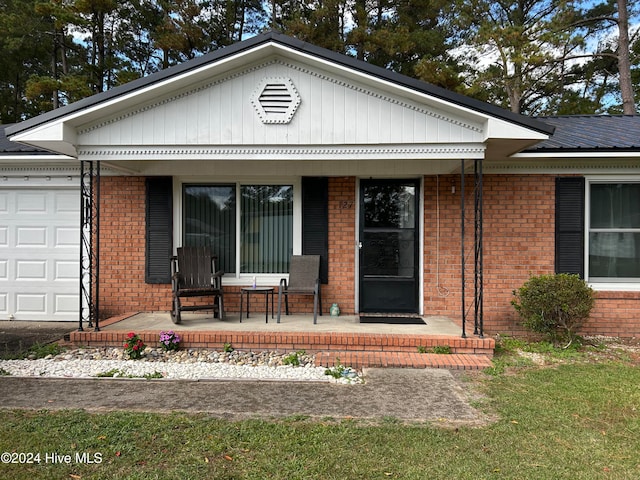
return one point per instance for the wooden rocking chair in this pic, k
(194, 274)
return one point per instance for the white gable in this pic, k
(275, 101)
(332, 111)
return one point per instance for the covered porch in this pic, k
(273, 142)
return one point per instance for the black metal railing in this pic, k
(478, 266)
(89, 244)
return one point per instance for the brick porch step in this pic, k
(355, 350)
(360, 359)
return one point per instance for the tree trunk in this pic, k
(624, 66)
(54, 69)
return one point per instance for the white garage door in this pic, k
(39, 253)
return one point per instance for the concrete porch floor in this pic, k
(333, 340)
(191, 321)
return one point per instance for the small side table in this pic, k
(262, 291)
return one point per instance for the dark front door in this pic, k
(389, 246)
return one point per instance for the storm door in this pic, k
(389, 246)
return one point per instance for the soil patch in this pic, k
(17, 337)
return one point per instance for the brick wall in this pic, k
(518, 242)
(616, 314)
(122, 245)
(122, 256)
(342, 245)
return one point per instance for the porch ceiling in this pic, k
(354, 167)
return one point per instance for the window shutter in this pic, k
(159, 229)
(315, 221)
(570, 204)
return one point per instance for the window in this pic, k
(613, 222)
(249, 227)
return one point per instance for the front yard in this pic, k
(554, 416)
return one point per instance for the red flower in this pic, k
(126, 345)
(135, 347)
(131, 335)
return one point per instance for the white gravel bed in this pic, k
(188, 365)
(135, 368)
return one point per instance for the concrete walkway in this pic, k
(413, 395)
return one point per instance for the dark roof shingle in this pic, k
(576, 133)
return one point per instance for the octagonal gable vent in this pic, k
(276, 100)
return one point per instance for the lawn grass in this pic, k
(574, 420)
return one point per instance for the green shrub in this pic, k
(42, 350)
(554, 305)
(293, 359)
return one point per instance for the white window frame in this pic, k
(621, 285)
(238, 278)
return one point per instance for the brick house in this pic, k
(418, 199)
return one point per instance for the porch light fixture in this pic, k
(276, 100)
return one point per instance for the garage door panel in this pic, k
(65, 304)
(66, 270)
(31, 203)
(31, 270)
(67, 237)
(30, 303)
(39, 253)
(67, 203)
(31, 237)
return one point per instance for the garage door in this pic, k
(39, 253)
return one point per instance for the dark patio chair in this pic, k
(194, 274)
(304, 279)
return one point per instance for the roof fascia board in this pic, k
(13, 159)
(500, 128)
(55, 136)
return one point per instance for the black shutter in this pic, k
(315, 221)
(159, 229)
(570, 204)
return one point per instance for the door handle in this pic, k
(360, 245)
